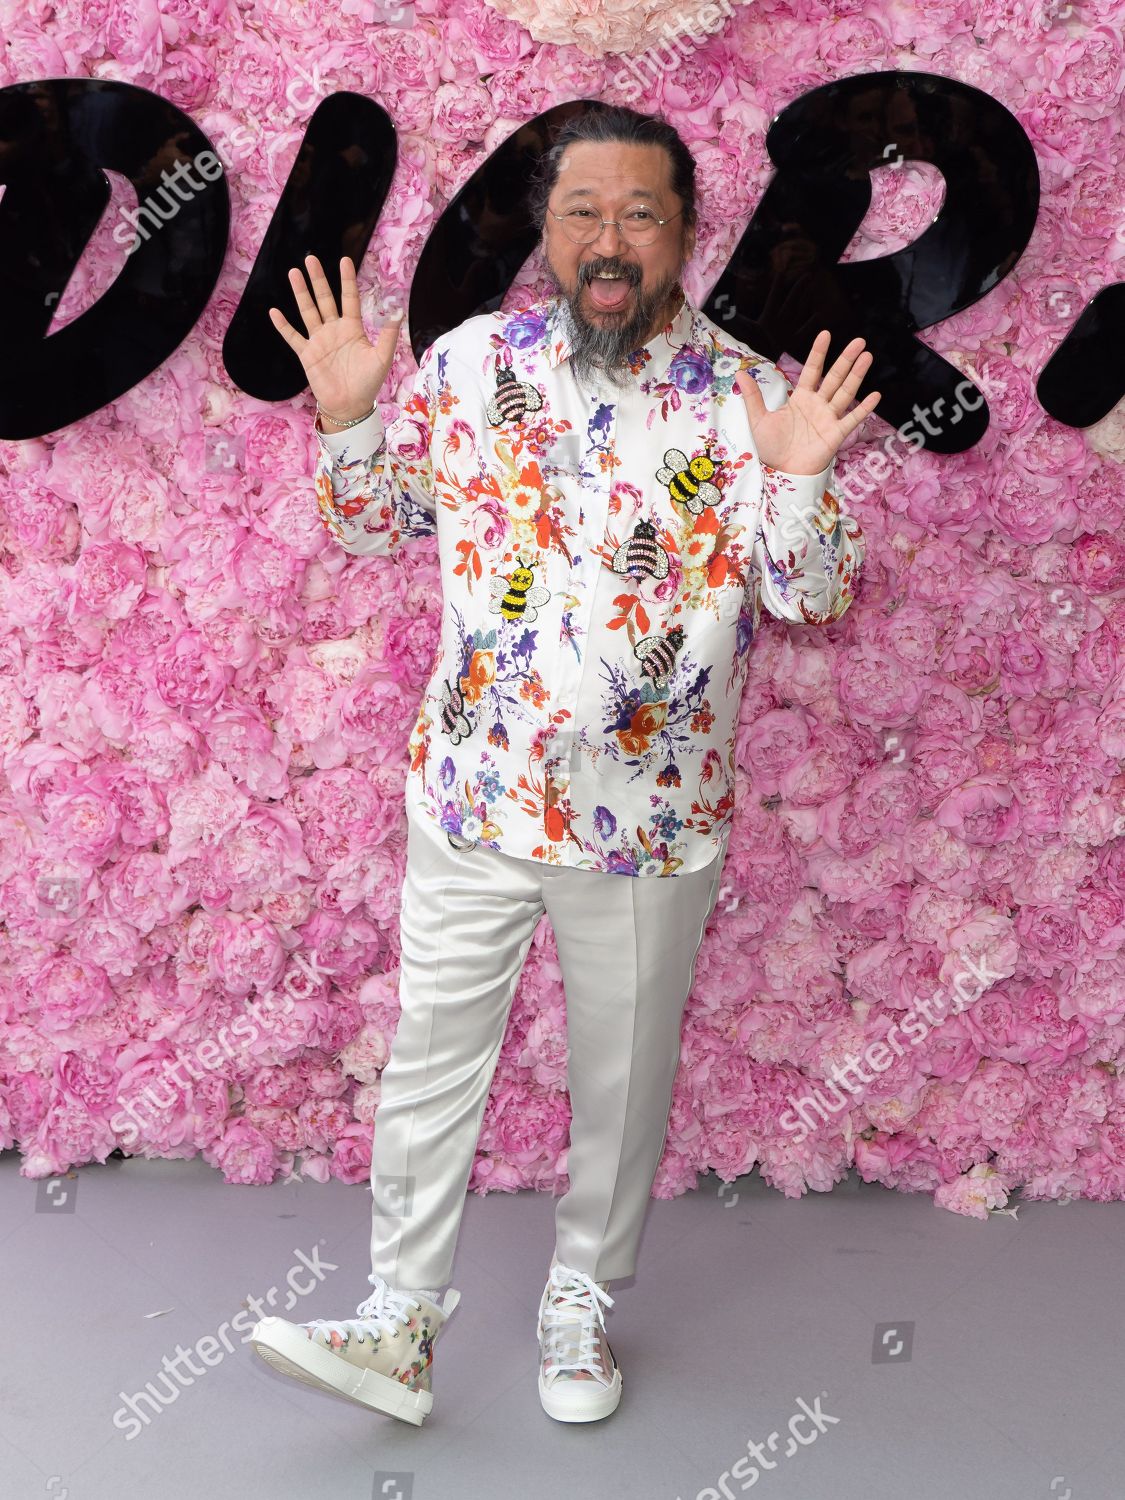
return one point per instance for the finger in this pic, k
(853, 419)
(748, 388)
(842, 398)
(811, 369)
(388, 338)
(349, 290)
(305, 304)
(391, 316)
(325, 301)
(842, 368)
(394, 309)
(295, 340)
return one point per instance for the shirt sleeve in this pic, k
(808, 550)
(375, 484)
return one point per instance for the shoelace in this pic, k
(382, 1310)
(573, 1299)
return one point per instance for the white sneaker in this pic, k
(381, 1358)
(579, 1380)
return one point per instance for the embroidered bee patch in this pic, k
(689, 479)
(518, 596)
(454, 722)
(512, 399)
(641, 555)
(657, 654)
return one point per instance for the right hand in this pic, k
(345, 370)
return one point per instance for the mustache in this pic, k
(610, 264)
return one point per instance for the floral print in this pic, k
(606, 551)
(414, 1372)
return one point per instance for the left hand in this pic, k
(803, 434)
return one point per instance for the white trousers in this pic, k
(627, 947)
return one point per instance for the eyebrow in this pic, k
(587, 192)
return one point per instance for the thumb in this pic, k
(386, 341)
(748, 388)
(389, 330)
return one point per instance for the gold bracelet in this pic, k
(355, 421)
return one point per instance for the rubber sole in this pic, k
(289, 1351)
(595, 1402)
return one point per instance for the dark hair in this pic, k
(614, 122)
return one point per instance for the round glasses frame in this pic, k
(582, 232)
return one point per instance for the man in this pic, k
(616, 486)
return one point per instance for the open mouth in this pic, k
(609, 293)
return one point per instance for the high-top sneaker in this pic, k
(578, 1376)
(381, 1358)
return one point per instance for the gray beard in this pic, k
(605, 350)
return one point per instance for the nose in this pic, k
(618, 241)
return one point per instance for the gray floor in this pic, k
(958, 1358)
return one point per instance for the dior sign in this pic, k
(784, 282)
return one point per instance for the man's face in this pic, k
(611, 318)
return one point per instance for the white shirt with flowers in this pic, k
(605, 553)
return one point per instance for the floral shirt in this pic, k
(605, 553)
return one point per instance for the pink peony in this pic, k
(244, 1154)
(351, 1154)
(68, 989)
(108, 580)
(975, 1194)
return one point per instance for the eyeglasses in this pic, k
(640, 226)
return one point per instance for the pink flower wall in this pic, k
(204, 703)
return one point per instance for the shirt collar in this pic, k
(656, 355)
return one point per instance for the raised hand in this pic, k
(803, 434)
(345, 369)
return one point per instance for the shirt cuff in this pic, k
(359, 441)
(820, 479)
